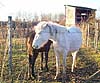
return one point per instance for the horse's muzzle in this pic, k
(35, 46)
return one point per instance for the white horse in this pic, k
(65, 39)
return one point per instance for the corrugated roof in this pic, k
(80, 7)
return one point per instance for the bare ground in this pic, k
(86, 67)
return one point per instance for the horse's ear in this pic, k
(35, 27)
(44, 25)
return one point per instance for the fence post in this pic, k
(88, 30)
(96, 36)
(10, 44)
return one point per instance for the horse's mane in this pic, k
(41, 25)
(29, 34)
(59, 28)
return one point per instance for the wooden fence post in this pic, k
(96, 36)
(88, 36)
(10, 44)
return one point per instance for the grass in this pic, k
(88, 62)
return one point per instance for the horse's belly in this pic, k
(75, 41)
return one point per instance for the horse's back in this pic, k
(73, 29)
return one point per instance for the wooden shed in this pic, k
(77, 14)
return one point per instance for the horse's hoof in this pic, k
(46, 69)
(41, 68)
(72, 71)
(31, 78)
(55, 78)
(34, 76)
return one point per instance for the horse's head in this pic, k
(42, 35)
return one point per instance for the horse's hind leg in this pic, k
(74, 60)
(30, 67)
(41, 60)
(46, 61)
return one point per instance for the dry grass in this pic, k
(87, 64)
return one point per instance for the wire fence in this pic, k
(90, 36)
(18, 49)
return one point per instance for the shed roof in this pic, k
(80, 7)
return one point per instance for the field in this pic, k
(88, 62)
(87, 70)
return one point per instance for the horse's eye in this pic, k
(39, 33)
(36, 36)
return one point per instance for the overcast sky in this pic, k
(12, 7)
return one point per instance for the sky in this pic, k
(14, 7)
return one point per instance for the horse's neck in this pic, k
(59, 37)
(58, 31)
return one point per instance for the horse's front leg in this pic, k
(64, 62)
(57, 64)
(64, 65)
(46, 61)
(41, 60)
(30, 67)
(33, 63)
